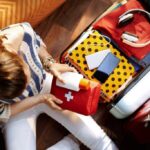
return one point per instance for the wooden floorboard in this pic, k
(64, 26)
(58, 31)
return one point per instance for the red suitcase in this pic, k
(139, 26)
(139, 125)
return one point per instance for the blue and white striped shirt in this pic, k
(29, 50)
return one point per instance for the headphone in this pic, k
(129, 38)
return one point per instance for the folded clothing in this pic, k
(139, 26)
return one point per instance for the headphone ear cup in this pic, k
(125, 19)
(132, 44)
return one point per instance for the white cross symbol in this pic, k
(69, 96)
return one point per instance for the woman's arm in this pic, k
(50, 64)
(29, 102)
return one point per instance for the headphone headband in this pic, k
(128, 37)
(135, 11)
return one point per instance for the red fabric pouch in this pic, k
(139, 125)
(140, 26)
(83, 102)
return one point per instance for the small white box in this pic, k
(71, 79)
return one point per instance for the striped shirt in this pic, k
(29, 48)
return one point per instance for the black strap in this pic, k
(146, 4)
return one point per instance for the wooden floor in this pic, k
(58, 31)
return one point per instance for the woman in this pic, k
(24, 94)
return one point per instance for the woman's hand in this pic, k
(57, 69)
(50, 100)
(29, 102)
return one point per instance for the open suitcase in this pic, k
(125, 85)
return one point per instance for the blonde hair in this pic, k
(12, 76)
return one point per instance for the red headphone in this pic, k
(129, 38)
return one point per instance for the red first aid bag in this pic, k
(139, 26)
(83, 102)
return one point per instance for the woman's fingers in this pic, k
(55, 106)
(66, 67)
(58, 75)
(57, 100)
(57, 69)
(54, 102)
(55, 72)
(71, 69)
